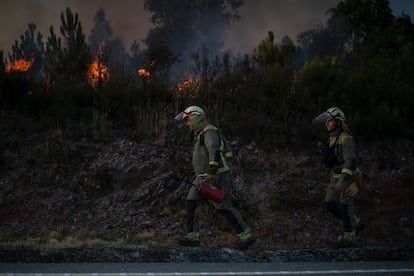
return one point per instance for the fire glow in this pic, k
(143, 72)
(189, 87)
(97, 73)
(20, 65)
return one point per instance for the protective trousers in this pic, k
(340, 206)
(232, 216)
(342, 212)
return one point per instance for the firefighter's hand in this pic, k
(212, 180)
(352, 190)
(339, 186)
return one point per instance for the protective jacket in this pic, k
(208, 151)
(343, 147)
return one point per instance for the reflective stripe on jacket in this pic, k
(346, 154)
(208, 149)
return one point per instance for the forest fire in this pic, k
(143, 72)
(20, 65)
(189, 87)
(97, 73)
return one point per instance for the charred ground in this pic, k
(75, 193)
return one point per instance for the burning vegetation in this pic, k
(143, 72)
(20, 65)
(97, 73)
(189, 87)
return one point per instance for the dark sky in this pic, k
(130, 22)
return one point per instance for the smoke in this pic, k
(282, 17)
(130, 22)
(128, 19)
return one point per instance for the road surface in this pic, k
(216, 269)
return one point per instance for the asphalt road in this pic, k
(216, 269)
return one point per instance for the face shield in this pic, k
(183, 118)
(179, 116)
(323, 117)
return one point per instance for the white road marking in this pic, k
(302, 272)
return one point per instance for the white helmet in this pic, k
(331, 113)
(191, 110)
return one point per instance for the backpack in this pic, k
(225, 147)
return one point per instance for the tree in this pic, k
(321, 84)
(159, 58)
(269, 53)
(352, 23)
(355, 21)
(101, 33)
(102, 44)
(317, 42)
(30, 45)
(70, 57)
(187, 25)
(287, 50)
(30, 48)
(137, 55)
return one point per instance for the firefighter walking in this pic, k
(345, 176)
(210, 165)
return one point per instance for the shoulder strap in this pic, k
(200, 135)
(336, 139)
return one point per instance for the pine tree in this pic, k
(68, 56)
(101, 33)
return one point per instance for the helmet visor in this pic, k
(182, 116)
(323, 117)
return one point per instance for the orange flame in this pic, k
(185, 84)
(143, 72)
(189, 87)
(97, 73)
(20, 65)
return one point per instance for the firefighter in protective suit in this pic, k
(345, 180)
(209, 164)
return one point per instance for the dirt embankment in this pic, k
(72, 190)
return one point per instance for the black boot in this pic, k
(191, 239)
(246, 240)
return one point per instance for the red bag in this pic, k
(210, 192)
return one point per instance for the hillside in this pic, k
(75, 188)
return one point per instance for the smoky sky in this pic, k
(130, 22)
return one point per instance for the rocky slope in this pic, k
(79, 189)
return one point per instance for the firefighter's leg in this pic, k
(333, 208)
(331, 200)
(192, 238)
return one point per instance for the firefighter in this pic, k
(209, 164)
(345, 178)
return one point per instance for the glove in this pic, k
(212, 180)
(359, 180)
(211, 175)
(352, 190)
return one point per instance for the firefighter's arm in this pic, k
(212, 144)
(349, 157)
(349, 167)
